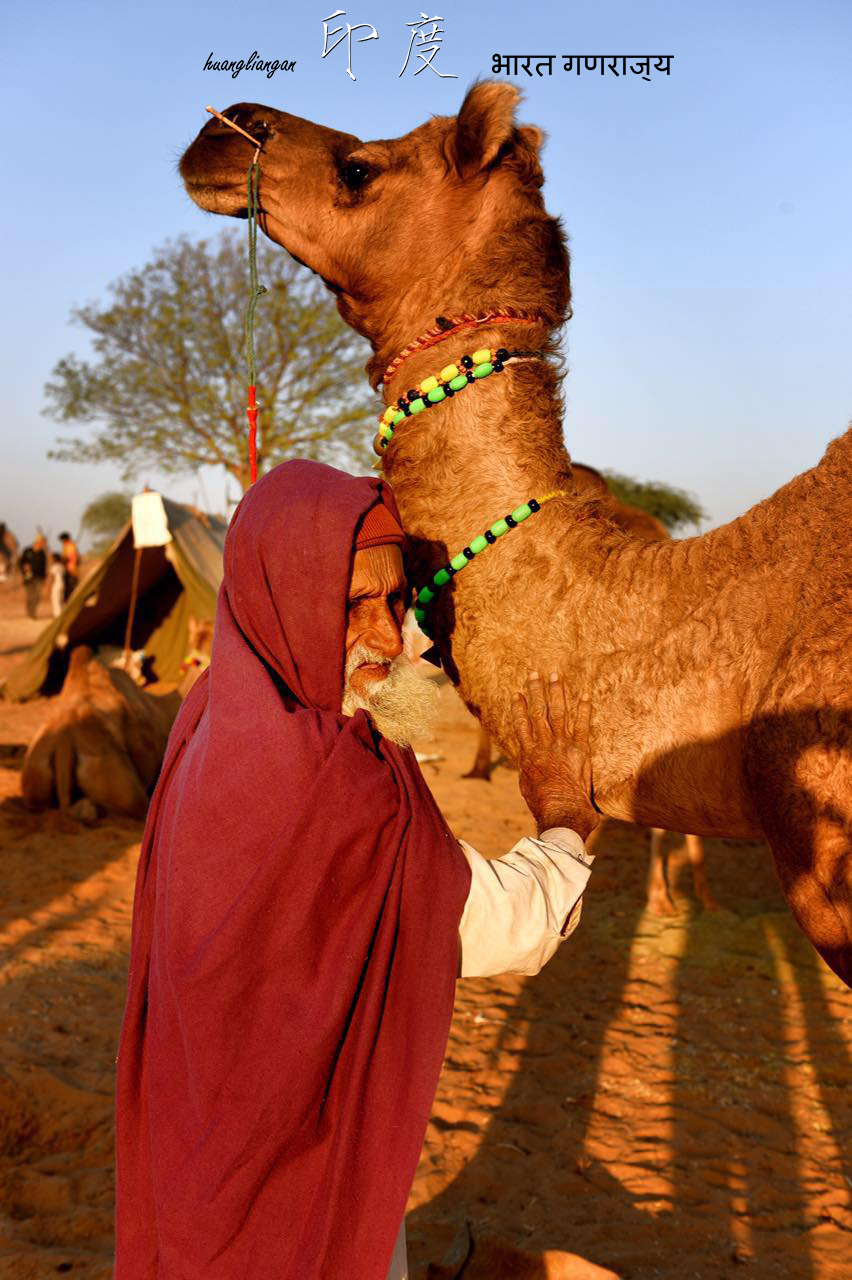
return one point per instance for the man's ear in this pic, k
(486, 121)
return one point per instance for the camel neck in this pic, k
(494, 445)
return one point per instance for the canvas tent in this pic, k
(177, 581)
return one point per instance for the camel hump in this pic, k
(588, 479)
(80, 657)
(63, 765)
(37, 774)
(77, 676)
(638, 522)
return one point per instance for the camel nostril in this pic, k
(259, 130)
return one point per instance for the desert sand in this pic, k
(670, 1098)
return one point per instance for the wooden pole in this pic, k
(131, 612)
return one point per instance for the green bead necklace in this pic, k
(426, 594)
(452, 379)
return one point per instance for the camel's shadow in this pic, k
(707, 1047)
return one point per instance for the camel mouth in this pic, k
(227, 198)
(214, 176)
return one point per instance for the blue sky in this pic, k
(708, 211)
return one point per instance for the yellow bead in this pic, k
(388, 414)
(479, 357)
(386, 431)
(451, 371)
(429, 385)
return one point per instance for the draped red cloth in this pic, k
(295, 936)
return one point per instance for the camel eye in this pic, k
(353, 175)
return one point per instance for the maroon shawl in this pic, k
(295, 936)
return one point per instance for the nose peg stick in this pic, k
(254, 142)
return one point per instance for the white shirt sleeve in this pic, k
(521, 906)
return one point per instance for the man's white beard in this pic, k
(403, 705)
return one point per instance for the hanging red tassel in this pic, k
(251, 414)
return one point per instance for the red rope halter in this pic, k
(445, 328)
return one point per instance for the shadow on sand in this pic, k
(676, 1100)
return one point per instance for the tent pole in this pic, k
(134, 592)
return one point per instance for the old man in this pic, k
(302, 911)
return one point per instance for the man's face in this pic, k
(379, 678)
(375, 613)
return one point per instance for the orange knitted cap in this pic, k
(378, 528)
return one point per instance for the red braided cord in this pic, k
(251, 414)
(457, 324)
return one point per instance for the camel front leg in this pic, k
(482, 764)
(659, 901)
(703, 892)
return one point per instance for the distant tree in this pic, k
(104, 518)
(167, 387)
(672, 507)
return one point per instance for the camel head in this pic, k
(447, 219)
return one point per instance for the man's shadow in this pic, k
(710, 1163)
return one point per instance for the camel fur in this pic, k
(659, 900)
(717, 666)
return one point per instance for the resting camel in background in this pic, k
(717, 666)
(102, 746)
(641, 524)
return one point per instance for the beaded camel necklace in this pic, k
(453, 379)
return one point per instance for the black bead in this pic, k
(470, 377)
(513, 524)
(406, 410)
(402, 402)
(501, 354)
(489, 536)
(448, 391)
(498, 366)
(467, 552)
(466, 362)
(533, 505)
(427, 403)
(448, 568)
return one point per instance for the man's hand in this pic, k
(554, 763)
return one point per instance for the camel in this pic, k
(659, 901)
(632, 519)
(102, 747)
(640, 523)
(717, 666)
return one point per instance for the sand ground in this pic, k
(670, 1098)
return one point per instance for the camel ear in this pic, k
(486, 121)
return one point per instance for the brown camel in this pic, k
(717, 666)
(641, 524)
(103, 745)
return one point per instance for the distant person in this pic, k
(56, 584)
(5, 551)
(71, 562)
(33, 567)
